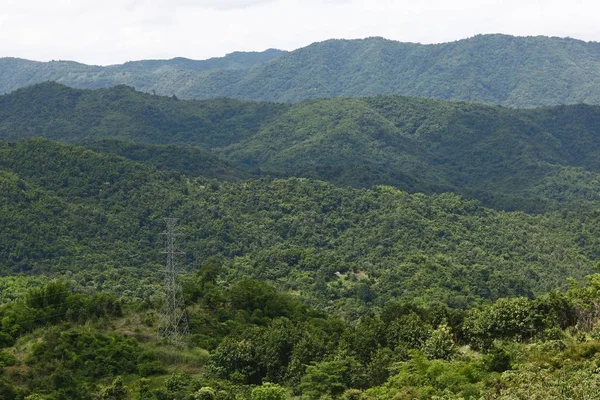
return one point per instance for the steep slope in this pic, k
(494, 69)
(66, 208)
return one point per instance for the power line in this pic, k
(174, 324)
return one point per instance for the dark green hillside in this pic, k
(61, 113)
(512, 159)
(16, 73)
(235, 60)
(493, 69)
(296, 287)
(67, 208)
(189, 160)
(343, 141)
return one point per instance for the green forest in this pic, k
(372, 248)
(294, 287)
(531, 160)
(506, 70)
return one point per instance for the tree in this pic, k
(205, 393)
(440, 344)
(116, 391)
(331, 378)
(268, 391)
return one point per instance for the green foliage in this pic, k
(80, 352)
(440, 345)
(408, 330)
(331, 378)
(343, 248)
(205, 393)
(52, 303)
(260, 301)
(7, 390)
(497, 359)
(116, 391)
(142, 73)
(143, 392)
(516, 319)
(420, 378)
(187, 160)
(269, 391)
(533, 160)
(256, 354)
(300, 287)
(572, 381)
(498, 69)
(7, 359)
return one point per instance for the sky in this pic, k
(107, 32)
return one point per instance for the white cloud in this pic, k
(227, 4)
(111, 31)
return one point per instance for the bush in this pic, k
(268, 391)
(497, 360)
(7, 359)
(352, 394)
(151, 368)
(440, 344)
(205, 393)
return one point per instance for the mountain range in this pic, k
(511, 159)
(492, 69)
(350, 224)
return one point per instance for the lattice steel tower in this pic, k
(174, 324)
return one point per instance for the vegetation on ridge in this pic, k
(531, 160)
(494, 69)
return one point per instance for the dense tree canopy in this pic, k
(493, 69)
(532, 160)
(66, 208)
(338, 248)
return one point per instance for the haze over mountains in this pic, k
(494, 69)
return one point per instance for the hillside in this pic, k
(286, 281)
(162, 76)
(493, 69)
(293, 287)
(66, 209)
(188, 160)
(512, 159)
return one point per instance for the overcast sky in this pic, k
(114, 31)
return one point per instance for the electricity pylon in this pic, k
(174, 324)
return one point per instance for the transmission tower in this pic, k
(174, 324)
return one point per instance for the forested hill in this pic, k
(162, 76)
(511, 159)
(494, 69)
(382, 294)
(65, 209)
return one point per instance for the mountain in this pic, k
(357, 293)
(163, 76)
(493, 69)
(511, 159)
(235, 60)
(62, 113)
(66, 209)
